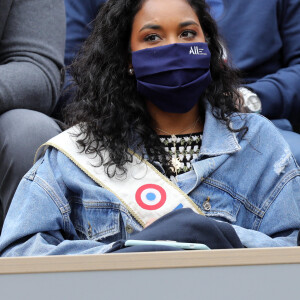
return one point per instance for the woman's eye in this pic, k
(188, 34)
(152, 38)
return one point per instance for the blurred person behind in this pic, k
(79, 17)
(32, 37)
(263, 41)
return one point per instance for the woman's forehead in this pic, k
(156, 11)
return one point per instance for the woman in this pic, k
(151, 79)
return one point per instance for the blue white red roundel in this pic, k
(150, 196)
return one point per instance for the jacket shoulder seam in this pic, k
(276, 191)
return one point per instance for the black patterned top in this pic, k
(183, 148)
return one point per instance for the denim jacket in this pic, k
(250, 180)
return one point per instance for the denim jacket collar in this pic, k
(217, 143)
(217, 138)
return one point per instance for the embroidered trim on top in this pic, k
(183, 149)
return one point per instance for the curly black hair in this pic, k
(108, 108)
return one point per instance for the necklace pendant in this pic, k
(176, 163)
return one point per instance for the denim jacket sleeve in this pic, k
(38, 220)
(283, 201)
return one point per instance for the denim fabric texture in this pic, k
(251, 180)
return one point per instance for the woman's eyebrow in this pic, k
(157, 27)
(188, 23)
(150, 26)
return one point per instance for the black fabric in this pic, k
(184, 225)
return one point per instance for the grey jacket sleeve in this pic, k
(31, 55)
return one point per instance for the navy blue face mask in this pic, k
(173, 77)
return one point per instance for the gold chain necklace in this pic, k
(176, 163)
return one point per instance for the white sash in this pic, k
(144, 191)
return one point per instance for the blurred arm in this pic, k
(31, 55)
